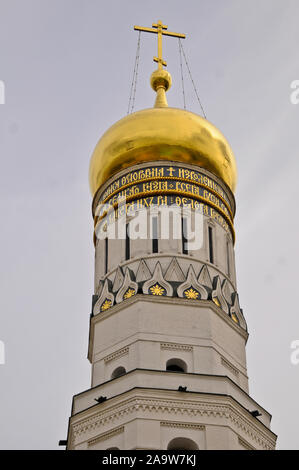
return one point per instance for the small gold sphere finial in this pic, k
(160, 83)
(161, 78)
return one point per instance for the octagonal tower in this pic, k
(167, 334)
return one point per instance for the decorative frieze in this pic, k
(236, 312)
(224, 409)
(118, 280)
(204, 277)
(217, 295)
(105, 436)
(116, 354)
(176, 424)
(174, 272)
(157, 285)
(106, 299)
(227, 291)
(191, 289)
(176, 347)
(128, 288)
(174, 283)
(143, 273)
(245, 444)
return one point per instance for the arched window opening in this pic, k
(182, 443)
(118, 372)
(176, 365)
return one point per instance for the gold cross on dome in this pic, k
(159, 28)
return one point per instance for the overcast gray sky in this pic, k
(67, 67)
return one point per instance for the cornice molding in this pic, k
(106, 435)
(245, 444)
(120, 408)
(115, 355)
(176, 347)
(177, 424)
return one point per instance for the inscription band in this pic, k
(186, 195)
(135, 184)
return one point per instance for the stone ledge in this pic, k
(162, 405)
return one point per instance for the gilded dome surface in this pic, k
(162, 133)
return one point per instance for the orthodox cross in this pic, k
(159, 28)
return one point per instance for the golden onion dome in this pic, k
(162, 133)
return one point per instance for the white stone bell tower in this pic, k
(167, 334)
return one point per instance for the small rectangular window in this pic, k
(106, 255)
(211, 250)
(127, 242)
(155, 234)
(184, 237)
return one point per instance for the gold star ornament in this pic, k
(105, 305)
(157, 290)
(129, 293)
(191, 294)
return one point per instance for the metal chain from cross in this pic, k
(160, 29)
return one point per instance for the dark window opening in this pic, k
(127, 242)
(106, 255)
(175, 368)
(211, 250)
(184, 238)
(155, 234)
(118, 372)
(176, 365)
(182, 443)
